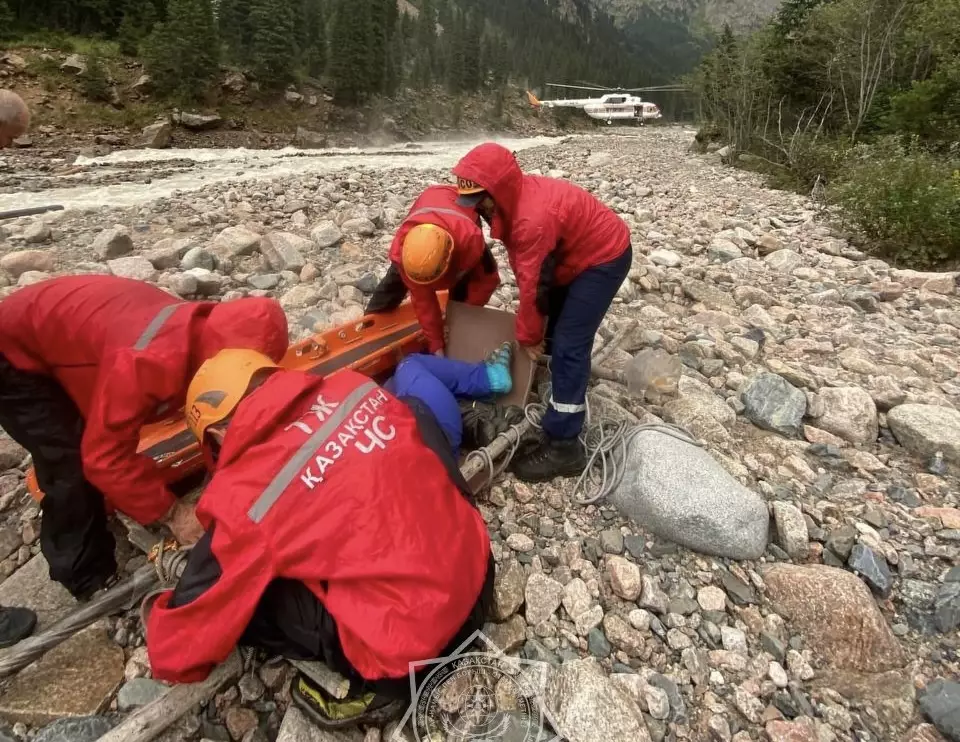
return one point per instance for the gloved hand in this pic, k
(183, 524)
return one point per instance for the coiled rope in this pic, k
(606, 444)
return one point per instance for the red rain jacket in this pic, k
(329, 481)
(437, 205)
(537, 217)
(125, 352)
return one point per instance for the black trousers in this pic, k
(291, 622)
(39, 415)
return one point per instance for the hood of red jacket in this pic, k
(255, 323)
(495, 168)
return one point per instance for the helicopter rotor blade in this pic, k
(574, 87)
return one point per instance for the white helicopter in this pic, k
(615, 105)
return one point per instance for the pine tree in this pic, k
(379, 36)
(236, 30)
(273, 49)
(312, 42)
(6, 21)
(181, 55)
(94, 81)
(425, 45)
(455, 56)
(349, 61)
(474, 71)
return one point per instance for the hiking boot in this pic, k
(16, 624)
(551, 458)
(498, 369)
(479, 424)
(325, 711)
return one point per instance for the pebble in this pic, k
(520, 542)
(712, 598)
(139, 692)
(658, 703)
(543, 596)
(625, 578)
(872, 568)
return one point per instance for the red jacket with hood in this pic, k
(437, 205)
(331, 482)
(537, 218)
(125, 352)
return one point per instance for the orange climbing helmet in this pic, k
(219, 386)
(427, 252)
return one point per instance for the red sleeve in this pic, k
(481, 285)
(429, 314)
(128, 393)
(527, 255)
(185, 643)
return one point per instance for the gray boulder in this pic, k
(198, 122)
(940, 703)
(772, 403)
(925, 429)
(849, 412)
(156, 136)
(284, 251)
(679, 492)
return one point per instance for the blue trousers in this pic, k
(437, 382)
(575, 314)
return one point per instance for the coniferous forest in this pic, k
(364, 47)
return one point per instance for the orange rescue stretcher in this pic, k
(372, 345)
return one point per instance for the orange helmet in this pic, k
(219, 385)
(427, 251)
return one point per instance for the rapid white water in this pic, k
(209, 166)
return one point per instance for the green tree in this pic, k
(236, 30)
(273, 49)
(349, 61)
(6, 21)
(94, 81)
(182, 54)
(793, 14)
(311, 37)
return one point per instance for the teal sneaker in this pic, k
(498, 369)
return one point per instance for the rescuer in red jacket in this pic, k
(570, 254)
(439, 247)
(85, 361)
(338, 527)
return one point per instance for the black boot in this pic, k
(16, 624)
(370, 709)
(479, 424)
(552, 458)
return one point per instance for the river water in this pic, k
(188, 170)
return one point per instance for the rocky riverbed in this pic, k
(796, 579)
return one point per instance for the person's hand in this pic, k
(440, 353)
(182, 522)
(534, 351)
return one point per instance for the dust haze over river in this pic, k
(187, 170)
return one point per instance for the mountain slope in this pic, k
(741, 15)
(572, 41)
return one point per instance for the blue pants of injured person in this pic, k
(574, 317)
(437, 382)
